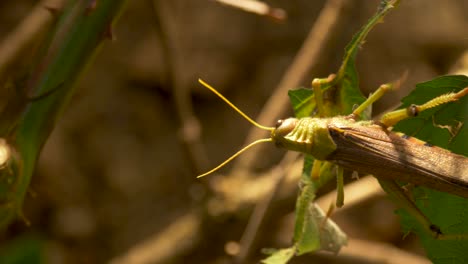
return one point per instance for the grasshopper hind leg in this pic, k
(391, 118)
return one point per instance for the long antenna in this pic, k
(259, 141)
(246, 117)
(235, 107)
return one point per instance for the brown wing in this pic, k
(373, 150)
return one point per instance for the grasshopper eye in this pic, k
(279, 122)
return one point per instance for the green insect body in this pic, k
(369, 148)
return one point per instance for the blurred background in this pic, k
(116, 182)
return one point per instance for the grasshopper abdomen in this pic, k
(377, 151)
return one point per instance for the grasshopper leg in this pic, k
(317, 85)
(371, 99)
(391, 118)
(384, 88)
(339, 188)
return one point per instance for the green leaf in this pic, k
(306, 233)
(347, 80)
(311, 231)
(331, 237)
(302, 101)
(445, 210)
(315, 231)
(309, 236)
(281, 256)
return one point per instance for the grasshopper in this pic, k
(370, 147)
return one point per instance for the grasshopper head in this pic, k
(282, 129)
(307, 135)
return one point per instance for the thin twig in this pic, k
(256, 7)
(251, 231)
(190, 129)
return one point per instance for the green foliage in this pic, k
(349, 93)
(279, 256)
(302, 100)
(306, 230)
(444, 210)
